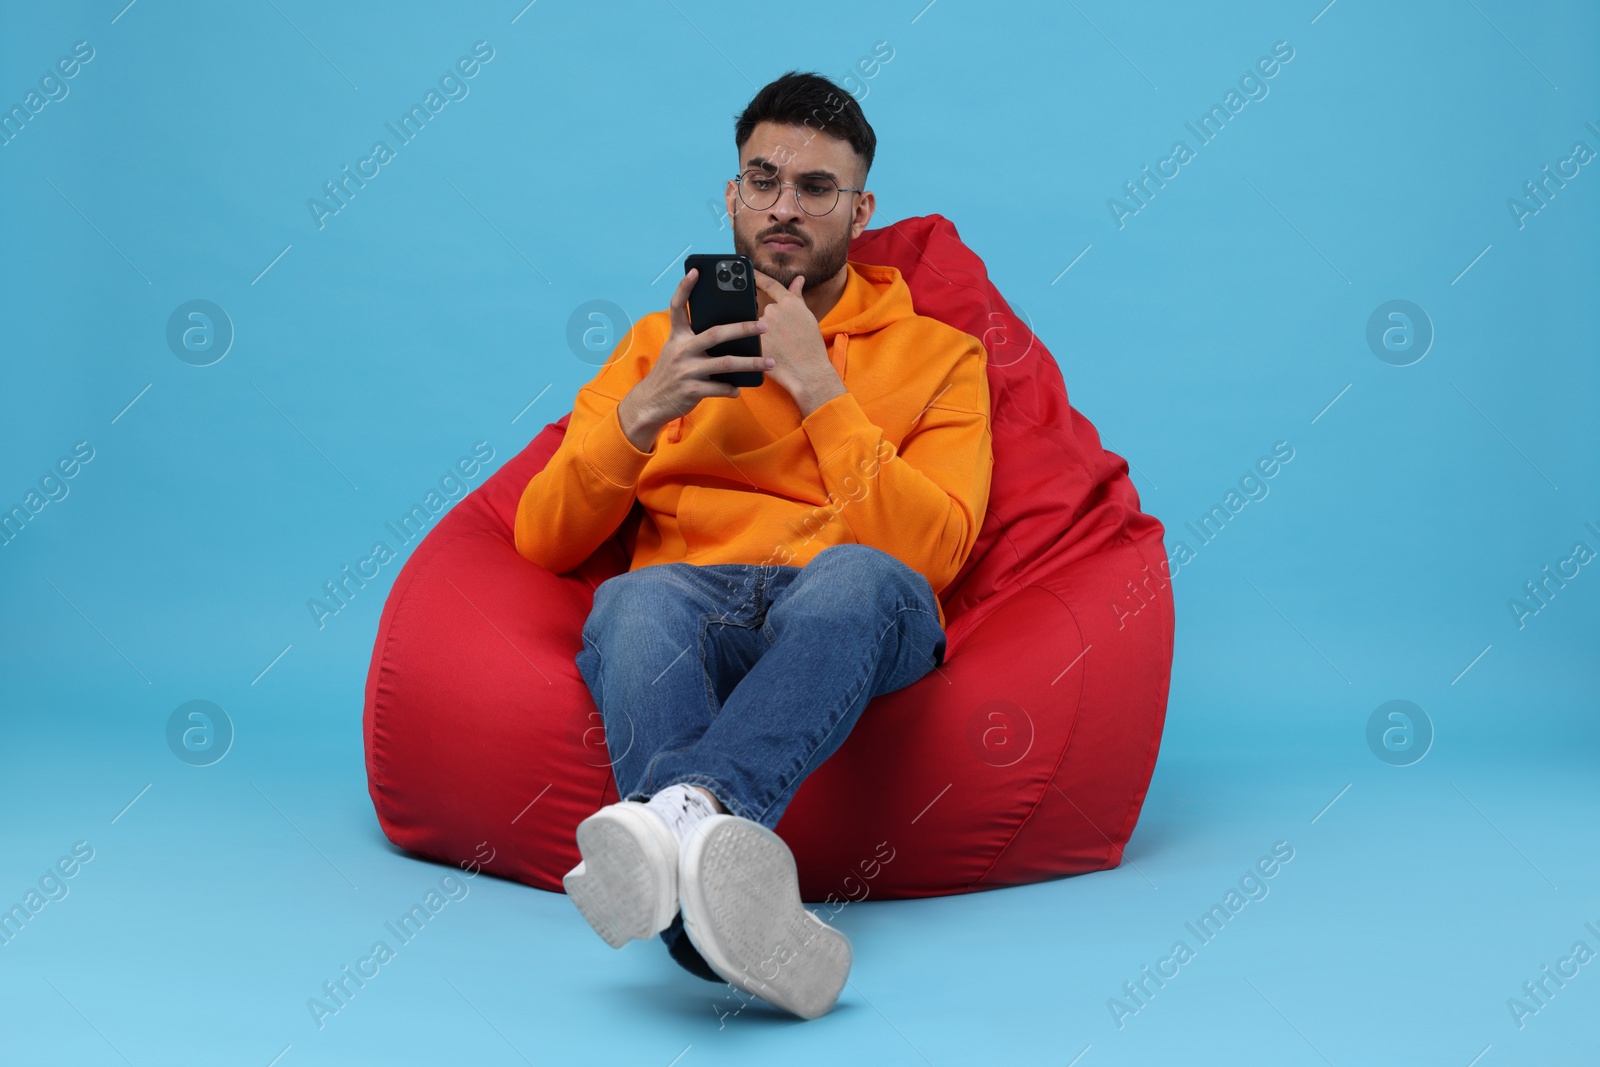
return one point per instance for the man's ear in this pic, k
(866, 204)
(731, 196)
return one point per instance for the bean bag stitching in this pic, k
(1111, 842)
(1005, 533)
(1136, 805)
(386, 670)
(1005, 587)
(378, 768)
(1071, 733)
(985, 292)
(399, 593)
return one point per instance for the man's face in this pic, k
(816, 245)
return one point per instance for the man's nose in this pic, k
(788, 206)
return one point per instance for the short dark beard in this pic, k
(828, 259)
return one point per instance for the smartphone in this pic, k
(724, 292)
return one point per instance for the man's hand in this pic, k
(680, 377)
(794, 340)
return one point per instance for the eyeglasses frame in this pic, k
(738, 180)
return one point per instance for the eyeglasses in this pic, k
(759, 189)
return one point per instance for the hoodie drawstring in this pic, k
(841, 342)
(838, 356)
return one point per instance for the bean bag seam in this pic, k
(1153, 750)
(1060, 757)
(398, 594)
(377, 770)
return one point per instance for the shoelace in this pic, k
(691, 809)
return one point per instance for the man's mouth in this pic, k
(783, 243)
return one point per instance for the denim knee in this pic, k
(873, 568)
(630, 597)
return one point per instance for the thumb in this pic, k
(798, 284)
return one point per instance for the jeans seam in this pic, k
(832, 729)
(895, 623)
(700, 639)
(705, 675)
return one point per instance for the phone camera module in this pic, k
(731, 275)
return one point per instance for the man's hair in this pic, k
(810, 100)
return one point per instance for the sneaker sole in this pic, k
(741, 908)
(627, 883)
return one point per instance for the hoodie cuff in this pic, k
(608, 450)
(831, 425)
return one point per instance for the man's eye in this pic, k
(762, 184)
(817, 188)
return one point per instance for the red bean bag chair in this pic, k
(1025, 757)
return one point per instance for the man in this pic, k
(789, 547)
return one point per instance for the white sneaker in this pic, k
(740, 894)
(627, 882)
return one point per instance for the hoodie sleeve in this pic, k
(923, 503)
(581, 497)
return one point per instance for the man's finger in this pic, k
(680, 300)
(728, 331)
(769, 285)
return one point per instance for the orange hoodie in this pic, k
(900, 461)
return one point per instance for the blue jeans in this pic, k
(743, 679)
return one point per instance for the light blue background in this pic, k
(431, 313)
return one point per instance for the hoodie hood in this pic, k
(874, 296)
